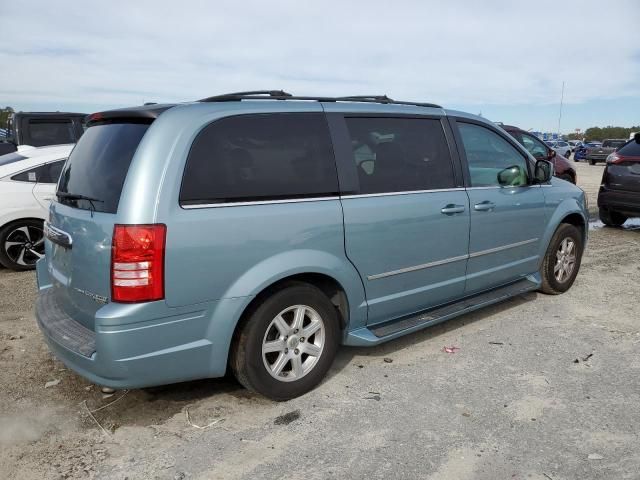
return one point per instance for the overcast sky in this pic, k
(506, 59)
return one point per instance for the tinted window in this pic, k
(28, 176)
(613, 143)
(488, 154)
(43, 133)
(260, 157)
(400, 154)
(99, 164)
(534, 146)
(631, 149)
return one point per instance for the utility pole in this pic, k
(560, 116)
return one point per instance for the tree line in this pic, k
(601, 133)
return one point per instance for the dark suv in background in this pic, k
(541, 151)
(39, 129)
(619, 196)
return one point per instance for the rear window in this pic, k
(260, 157)
(99, 164)
(613, 143)
(631, 149)
(49, 132)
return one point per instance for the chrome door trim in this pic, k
(410, 192)
(450, 260)
(417, 267)
(257, 202)
(501, 248)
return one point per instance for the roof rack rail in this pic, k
(225, 97)
(282, 95)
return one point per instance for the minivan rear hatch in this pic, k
(88, 195)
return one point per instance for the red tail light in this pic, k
(137, 263)
(617, 159)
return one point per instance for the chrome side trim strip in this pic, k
(417, 267)
(450, 260)
(503, 247)
(412, 192)
(258, 202)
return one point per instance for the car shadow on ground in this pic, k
(170, 399)
(346, 354)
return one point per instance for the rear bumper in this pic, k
(597, 157)
(619, 200)
(141, 345)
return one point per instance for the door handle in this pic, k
(485, 206)
(451, 209)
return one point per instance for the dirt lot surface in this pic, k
(542, 387)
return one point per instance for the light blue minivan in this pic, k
(258, 231)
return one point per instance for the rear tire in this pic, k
(567, 154)
(21, 244)
(561, 262)
(611, 219)
(277, 359)
(592, 162)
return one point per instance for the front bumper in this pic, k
(621, 201)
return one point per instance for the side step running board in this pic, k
(434, 315)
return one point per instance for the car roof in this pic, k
(32, 157)
(278, 101)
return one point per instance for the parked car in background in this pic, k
(536, 147)
(575, 144)
(619, 195)
(581, 151)
(561, 147)
(27, 184)
(600, 154)
(39, 129)
(257, 234)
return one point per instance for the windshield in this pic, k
(98, 166)
(613, 143)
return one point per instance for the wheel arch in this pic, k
(569, 211)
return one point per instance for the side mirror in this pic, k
(511, 176)
(551, 154)
(636, 137)
(543, 171)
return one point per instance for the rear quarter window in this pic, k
(260, 157)
(99, 163)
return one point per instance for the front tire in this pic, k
(592, 162)
(611, 219)
(562, 260)
(21, 244)
(286, 344)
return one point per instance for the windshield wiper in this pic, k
(77, 196)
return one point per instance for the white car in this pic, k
(28, 181)
(561, 147)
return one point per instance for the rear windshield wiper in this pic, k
(77, 196)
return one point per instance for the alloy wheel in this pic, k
(24, 245)
(293, 343)
(565, 260)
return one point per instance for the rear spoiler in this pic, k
(142, 114)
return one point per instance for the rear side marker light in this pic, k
(137, 263)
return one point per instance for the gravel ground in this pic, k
(543, 387)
